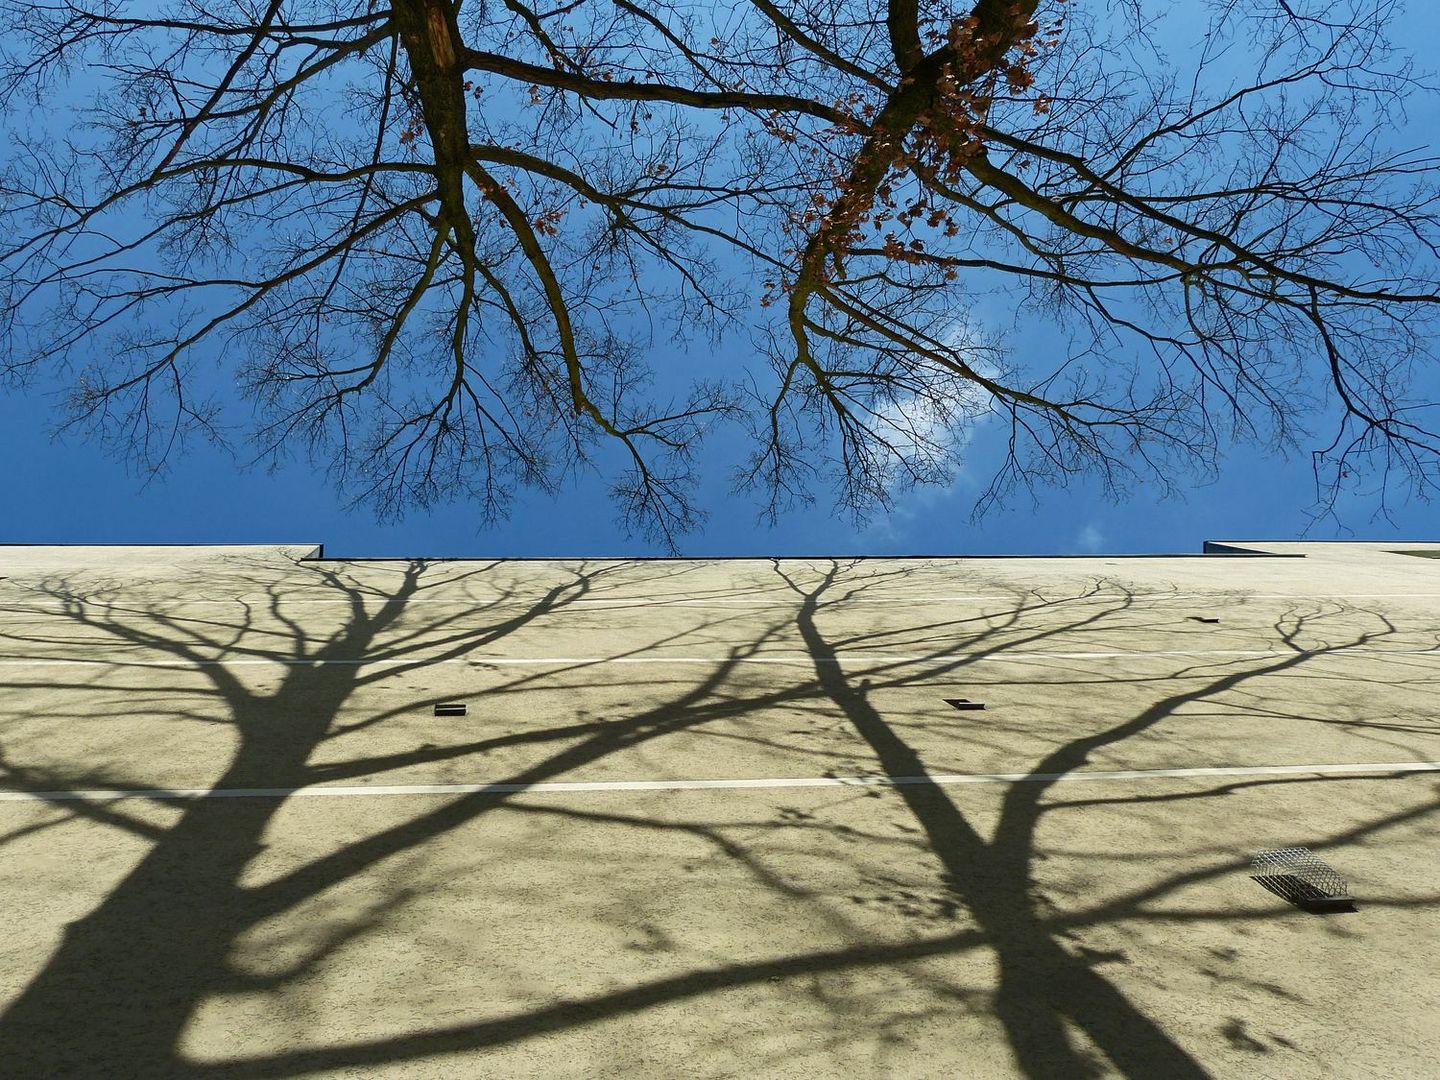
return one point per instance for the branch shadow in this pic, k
(160, 942)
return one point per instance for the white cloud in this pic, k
(1091, 539)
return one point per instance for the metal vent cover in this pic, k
(1300, 876)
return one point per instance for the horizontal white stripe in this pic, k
(791, 659)
(563, 604)
(562, 787)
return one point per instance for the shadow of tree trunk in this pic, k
(115, 996)
(1041, 985)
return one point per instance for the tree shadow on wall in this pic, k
(116, 995)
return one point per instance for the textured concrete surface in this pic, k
(1040, 928)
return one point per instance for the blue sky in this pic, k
(65, 490)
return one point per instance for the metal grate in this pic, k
(450, 708)
(963, 703)
(1298, 875)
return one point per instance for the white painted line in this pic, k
(1000, 656)
(566, 786)
(563, 605)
